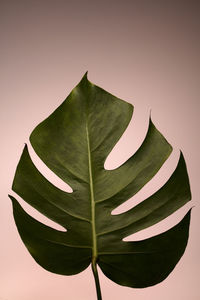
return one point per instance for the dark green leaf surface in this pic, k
(74, 142)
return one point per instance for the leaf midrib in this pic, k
(93, 224)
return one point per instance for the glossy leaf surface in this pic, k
(74, 142)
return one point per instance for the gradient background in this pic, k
(145, 52)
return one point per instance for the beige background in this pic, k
(145, 52)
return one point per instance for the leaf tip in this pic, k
(150, 117)
(13, 200)
(85, 75)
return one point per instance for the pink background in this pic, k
(145, 52)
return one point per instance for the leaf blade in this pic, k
(170, 197)
(153, 259)
(74, 142)
(51, 249)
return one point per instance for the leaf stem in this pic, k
(96, 277)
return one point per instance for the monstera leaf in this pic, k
(74, 142)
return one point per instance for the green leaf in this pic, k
(74, 142)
